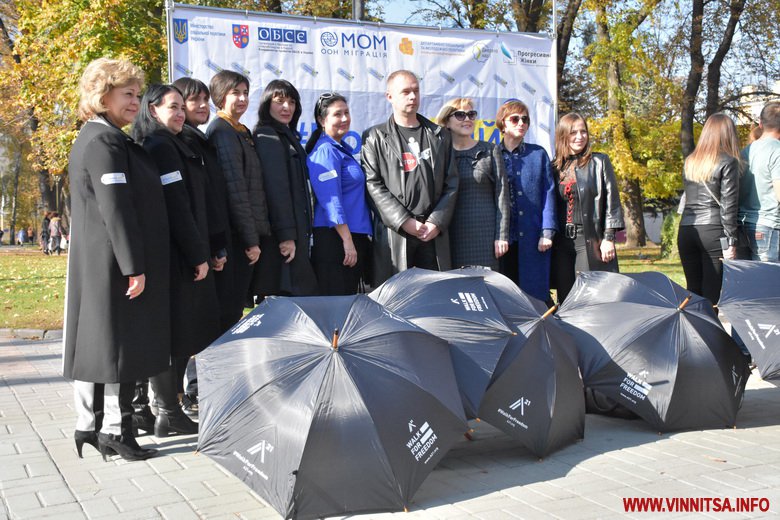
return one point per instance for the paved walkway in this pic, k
(489, 478)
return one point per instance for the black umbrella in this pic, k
(655, 348)
(328, 406)
(750, 299)
(536, 393)
(458, 309)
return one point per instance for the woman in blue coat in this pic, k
(532, 190)
(341, 219)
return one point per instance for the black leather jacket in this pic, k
(718, 202)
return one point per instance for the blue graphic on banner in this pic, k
(279, 35)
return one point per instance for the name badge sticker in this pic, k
(328, 176)
(113, 178)
(170, 178)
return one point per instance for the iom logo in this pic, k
(180, 30)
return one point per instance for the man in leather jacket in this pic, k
(412, 179)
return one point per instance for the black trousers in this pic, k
(327, 259)
(421, 254)
(507, 264)
(569, 257)
(700, 255)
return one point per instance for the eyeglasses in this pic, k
(461, 115)
(515, 119)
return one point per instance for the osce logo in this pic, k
(276, 34)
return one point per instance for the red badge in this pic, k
(410, 161)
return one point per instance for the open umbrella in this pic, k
(328, 406)
(655, 348)
(458, 309)
(536, 393)
(750, 299)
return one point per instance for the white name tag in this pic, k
(169, 178)
(113, 178)
(328, 176)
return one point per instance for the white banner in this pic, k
(354, 59)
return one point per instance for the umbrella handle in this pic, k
(550, 311)
(684, 302)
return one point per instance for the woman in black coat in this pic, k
(244, 179)
(286, 268)
(196, 112)
(117, 326)
(194, 312)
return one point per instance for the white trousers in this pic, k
(84, 397)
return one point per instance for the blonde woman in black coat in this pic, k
(117, 316)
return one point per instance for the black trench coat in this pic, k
(119, 228)
(194, 309)
(286, 178)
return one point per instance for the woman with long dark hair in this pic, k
(589, 211)
(708, 227)
(117, 316)
(285, 269)
(194, 312)
(342, 223)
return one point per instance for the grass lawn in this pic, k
(32, 288)
(32, 285)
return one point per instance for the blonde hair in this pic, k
(100, 76)
(450, 107)
(719, 136)
(514, 106)
(562, 150)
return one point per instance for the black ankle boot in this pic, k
(125, 447)
(143, 419)
(173, 421)
(90, 437)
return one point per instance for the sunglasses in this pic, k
(324, 97)
(515, 119)
(461, 115)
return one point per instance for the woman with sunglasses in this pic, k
(532, 192)
(589, 211)
(479, 231)
(341, 219)
(285, 269)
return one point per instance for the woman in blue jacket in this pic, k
(532, 189)
(341, 219)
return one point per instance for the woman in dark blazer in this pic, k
(588, 208)
(194, 311)
(286, 268)
(117, 316)
(245, 186)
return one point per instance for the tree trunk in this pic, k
(48, 193)
(17, 172)
(693, 82)
(713, 69)
(565, 29)
(631, 198)
(527, 14)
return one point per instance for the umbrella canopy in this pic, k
(750, 299)
(328, 406)
(655, 348)
(458, 309)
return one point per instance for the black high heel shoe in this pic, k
(81, 437)
(124, 446)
